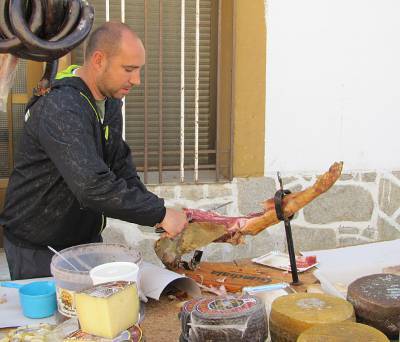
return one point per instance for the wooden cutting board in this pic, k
(240, 273)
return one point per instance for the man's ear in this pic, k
(98, 60)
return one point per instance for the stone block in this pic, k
(368, 177)
(192, 192)
(389, 196)
(253, 191)
(222, 211)
(112, 235)
(348, 230)
(152, 188)
(340, 203)
(132, 235)
(146, 229)
(369, 233)
(345, 241)
(386, 231)
(218, 252)
(295, 188)
(167, 191)
(146, 248)
(271, 239)
(243, 250)
(346, 176)
(219, 190)
(262, 243)
(308, 239)
(396, 174)
(287, 180)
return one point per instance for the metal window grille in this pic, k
(171, 120)
(12, 122)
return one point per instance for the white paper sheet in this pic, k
(341, 266)
(154, 280)
(11, 312)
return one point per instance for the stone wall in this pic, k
(361, 207)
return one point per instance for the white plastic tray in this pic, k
(278, 260)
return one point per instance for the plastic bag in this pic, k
(8, 67)
(38, 332)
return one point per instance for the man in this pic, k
(73, 168)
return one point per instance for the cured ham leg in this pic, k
(207, 226)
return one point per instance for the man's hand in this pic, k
(174, 221)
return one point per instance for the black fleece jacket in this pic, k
(72, 171)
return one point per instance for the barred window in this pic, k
(152, 111)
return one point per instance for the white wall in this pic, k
(333, 84)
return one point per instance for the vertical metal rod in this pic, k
(122, 11)
(292, 256)
(288, 229)
(217, 147)
(160, 96)
(124, 98)
(107, 10)
(182, 130)
(196, 95)
(233, 87)
(145, 94)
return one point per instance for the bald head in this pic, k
(107, 38)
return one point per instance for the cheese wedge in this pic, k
(108, 309)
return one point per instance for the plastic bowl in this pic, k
(84, 258)
(37, 299)
(114, 271)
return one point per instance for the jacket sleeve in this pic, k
(67, 136)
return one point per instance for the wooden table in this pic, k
(161, 320)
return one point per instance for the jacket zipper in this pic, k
(103, 218)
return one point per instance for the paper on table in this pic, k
(344, 265)
(11, 312)
(154, 279)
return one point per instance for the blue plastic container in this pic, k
(37, 299)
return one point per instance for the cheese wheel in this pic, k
(229, 318)
(294, 313)
(376, 300)
(184, 316)
(342, 332)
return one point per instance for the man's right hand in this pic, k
(174, 221)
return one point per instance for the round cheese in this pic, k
(342, 332)
(229, 318)
(184, 316)
(294, 313)
(376, 300)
